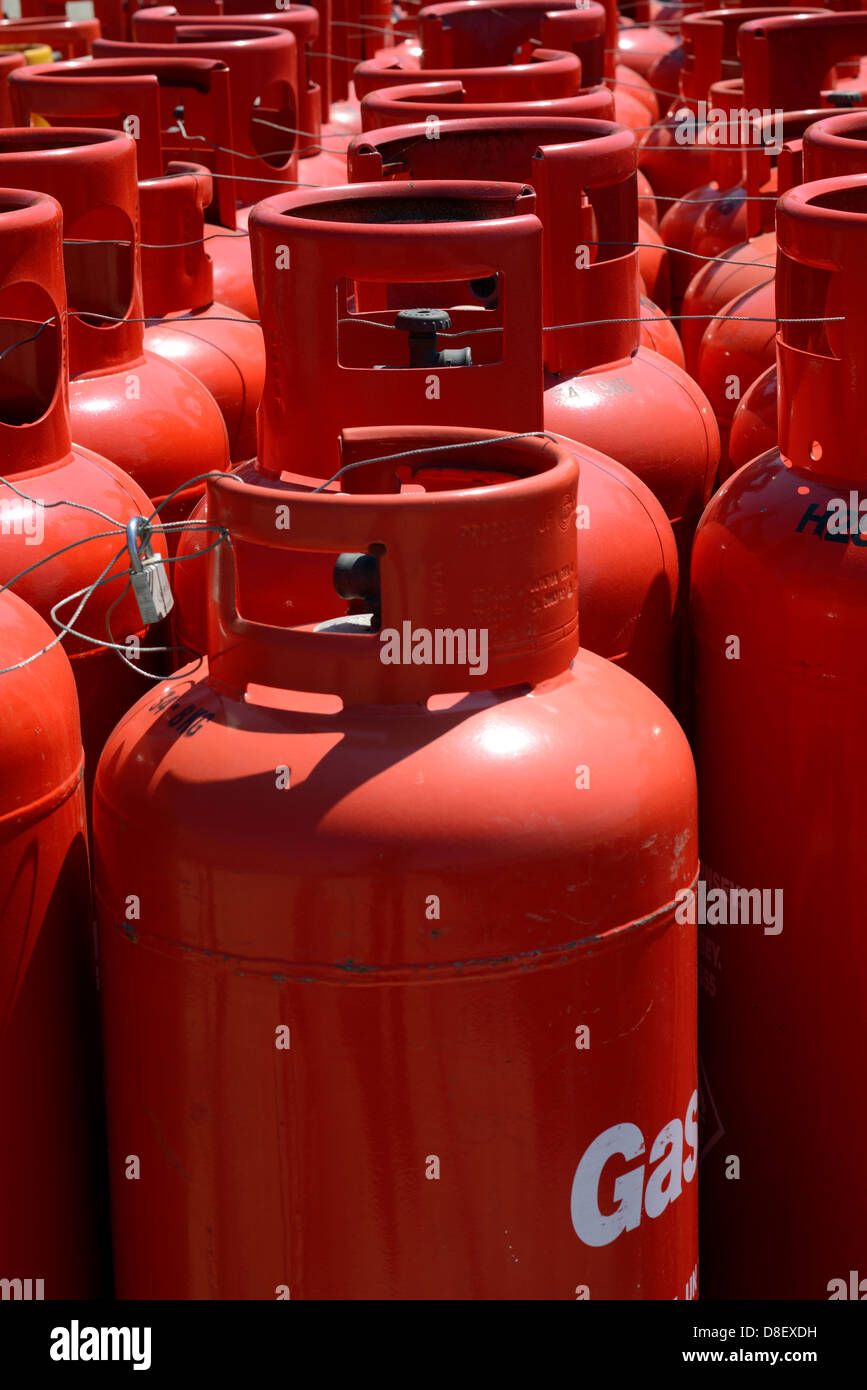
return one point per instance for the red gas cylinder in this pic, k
(316, 164)
(446, 100)
(779, 568)
(263, 74)
(545, 76)
(321, 378)
(488, 33)
(70, 38)
(149, 416)
(504, 147)
(52, 1226)
(9, 61)
(831, 147)
(754, 423)
(599, 377)
(675, 159)
(56, 494)
(437, 955)
(218, 345)
(422, 100)
(740, 344)
(785, 62)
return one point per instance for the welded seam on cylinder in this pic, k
(364, 973)
(37, 810)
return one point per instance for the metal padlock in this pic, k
(150, 582)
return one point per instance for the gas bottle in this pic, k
(754, 423)
(739, 345)
(448, 100)
(547, 75)
(53, 1235)
(263, 85)
(487, 33)
(217, 344)
(785, 61)
(149, 416)
(56, 496)
(317, 164)
(829, 148)
(227, 243)
(502, 146)
(10, 59)
(673, 155)
(444, 242)
(70, 38)
(435, 964)
(598, 376)
(779, 568)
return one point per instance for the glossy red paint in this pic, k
(450, 944)
(449, 100)
(754, 423)
(264, 90)
(500, 145)
(71, 38)
(739, 345)
(393, 233)
(218, 345)
(304, 135)
(599, 377)
(677, 166)
(773, 565)
(149, 416)
(52, 1222)
(40, 462)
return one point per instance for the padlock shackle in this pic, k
(433, 573)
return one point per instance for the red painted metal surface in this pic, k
(754, 423)
(51, 1158)
(785, 62)
(219, 346)
(40, 462)
(316, 164)
(711, 56)
(740, 345)
(546, 75)
(772, 566)
(9, 61)
(430, 1005)
(628, 564)
(263, 84)
(71, 38)
(602, 387)
(149, 416)
(448, 100)
(505, 147)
